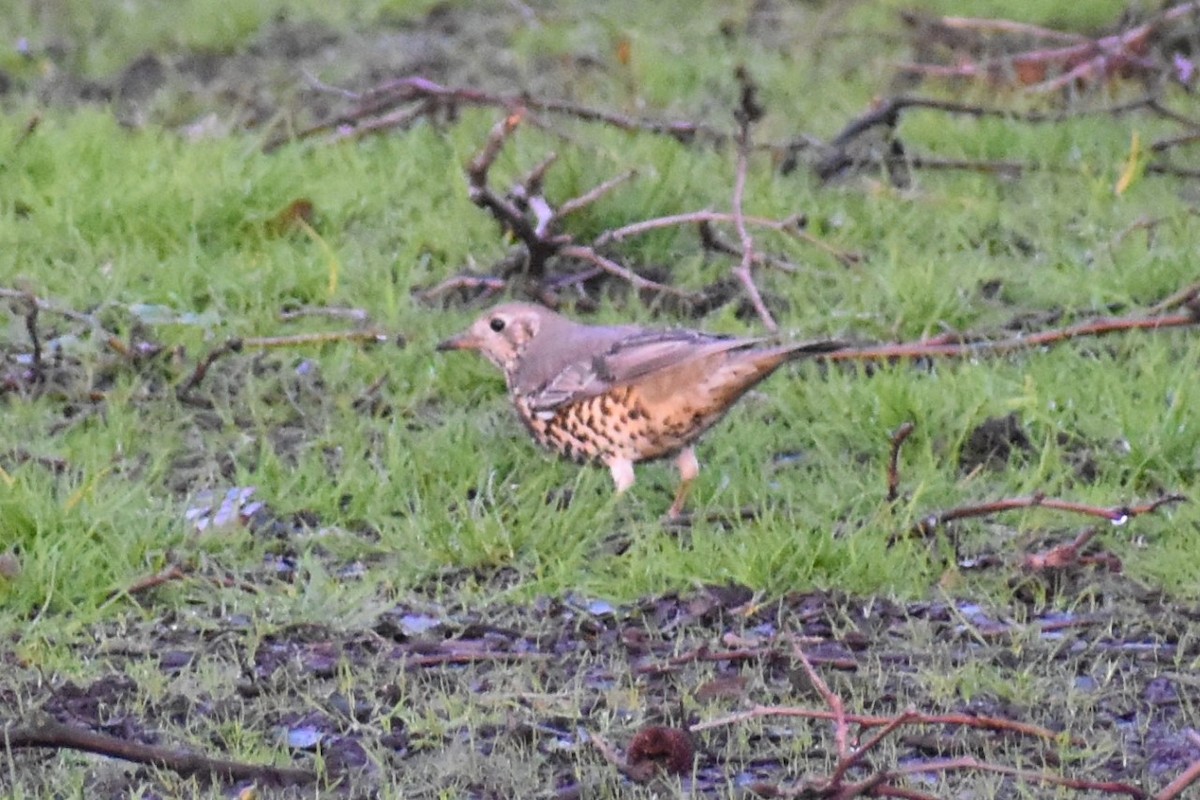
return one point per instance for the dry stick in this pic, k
(359, 315)
(887, 113)
(792, 226)
(398, 118)
(1061, 555)
(689, 218)
(492, 657)
(1164, 144)
(893, 471)
(1027, 776)
(702, 654)
(1116, 514)
(173, 572)
(711, 240)
(903, 793)
(1173, 115)
(585, 253)
(489, 284)
(594, 194)
(1187, 778)
(537, 245)
(844, 765)
(1009, 27)
(31, 327)
(1090, 56)
(233, 345)
(614, 758)
(31, 125)
(532, 183)
(176, 572)
(1185, 296)
(238, 344)
(871, 721)
(110, 339)
(1096, 327)
(56, 735)
(840, 730)
(416, 87)
(746, 115)
(304, 339)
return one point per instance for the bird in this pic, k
(620, 395)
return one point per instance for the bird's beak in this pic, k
(464, 341)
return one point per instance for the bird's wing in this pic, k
(627, 360)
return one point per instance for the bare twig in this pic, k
(57, 736)
(429, 96)
(841, 730)
(487, 286)
(929, 349)
(1024, 775)
(1116, 514)
(893, 472)
(358, 315)
(593, 194)
(238, 344)
(871, 721)
(746, 115)
(232, 345)
(705, 655)
(1079, 61)
(111, 340)
(1185, 779)
(585, 253)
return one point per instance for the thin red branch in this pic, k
(1114, 514)
(1024, 775)
(1093, 327)
(871, 721)
(1186, 778)
(746, 116)
(57, 736)
(841, 731)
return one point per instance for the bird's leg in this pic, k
(689, 468)
(622, 473)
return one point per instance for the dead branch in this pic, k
(1069, 554)
(703, 654)
(357, 315)
(1085, 61)
(594, 194)
(1115, 514)
(57, 736)
(178, 572)
(184, 389)
(588, 254)
(964, 349)
(486, 285)
(1186, 778)
(238, 344)
(1024, 775)
(893, 470)
(472, 657)
(377, 110)
(111, 340)
(997, 724)
(747, 114)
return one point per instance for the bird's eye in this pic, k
(496, 324)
